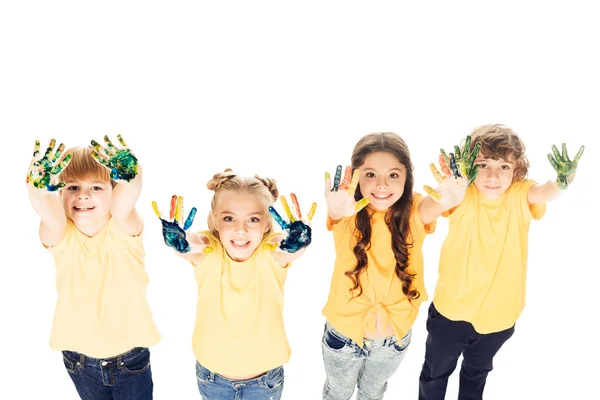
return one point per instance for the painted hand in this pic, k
(451, 190)
(340, 196)
(173, 233)
(121, 163)
(565, 168)
(461, 161)
(298, 233)
(43, 171)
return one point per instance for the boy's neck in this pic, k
(92, 228)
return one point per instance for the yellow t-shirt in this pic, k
(239, 314)
(483, 261)
(382, 289)
(101, 309)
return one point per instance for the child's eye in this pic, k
(370, 175)
(393, 175)
(482, 166)
(228, 219)
(96, 188)
(72, 188)
(254, 219)
(506, 167)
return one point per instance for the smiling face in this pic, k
(382, 179)
(87, 203)
(241, 221)
(494, 176)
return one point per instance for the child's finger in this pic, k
(286, 208)
(337, 179)
(190, 219)
(347, 177)
(327, 182)
(362, 203)
(579, 154)
(179, 209)
(296, 206)
(109, 144)
(278, 218)
(436, 174)
(172, 209)
(57, 169)
(120, 139)
(354, 182)
(553, 162)
(58, 153)
(156, 210)
(430, 191)
(444, 164)
(49, 149)
(312, 211)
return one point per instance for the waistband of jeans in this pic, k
(388, 341)
(118, 359)
(214, 377)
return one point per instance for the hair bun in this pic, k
(271, 184)
(219, 178)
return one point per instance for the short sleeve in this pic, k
(528, 211)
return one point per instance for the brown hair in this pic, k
(397, 217)
(83, 167)
(264, 189)
(499, 141)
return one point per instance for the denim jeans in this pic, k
(123, 377)
(446, 341)
(368, 366)
(216, 387)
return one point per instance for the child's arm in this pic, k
(126, 171)
(192, 247)
(299, 234)
(458, 173)
(565, 169)
(42, 186)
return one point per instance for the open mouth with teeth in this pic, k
(83, 208)
(382, 196)
(240, 244)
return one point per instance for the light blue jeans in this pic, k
(368, 366)
(216, 387)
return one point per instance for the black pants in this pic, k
(446, 341)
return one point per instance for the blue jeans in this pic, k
(369, 366)
(216, 387)
(126, 376)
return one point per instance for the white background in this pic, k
(285, 91)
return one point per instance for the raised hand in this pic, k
(121, 163)
(451, 190)
(173, 231)
(43, 171)
(298, 233)
(461, 161)
(340, 196)
(565, 168)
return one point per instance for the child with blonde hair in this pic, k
(240, 266)
(483, 262)
(379, 225)
(103, 323)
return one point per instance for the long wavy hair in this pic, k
(397, 216)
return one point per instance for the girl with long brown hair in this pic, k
(379, 225)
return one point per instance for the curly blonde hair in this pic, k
(264, 189)
(500, 142)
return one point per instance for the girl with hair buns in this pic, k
(240, 265)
